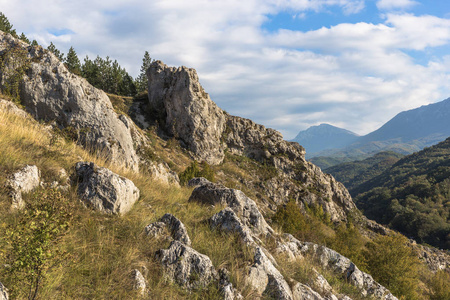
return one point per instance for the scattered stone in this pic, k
(341, 265)
(176, 228)
(198, 181)
(264, 277)
(162, 172)
(155, 229)
(186, 110)
(104, 190)
(244, 207)
(227, 220)
(23, 181)
(3, 292)
(138, 282)
(186, 266)
(228, 291)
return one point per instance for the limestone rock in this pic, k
(155, 229)
(138, 282)
(176, 228)
(227, 220)
(104, 190)
(341, 265)
(12, 108)
(23, 181)
(51, 93)
(186, 266)
(264, 277)
(244, 207)
(161, 171)
(197, 181)
(228, 291)
(301, 291)
(186, 110)
(3, 292)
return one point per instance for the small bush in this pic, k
(32, 241)
(196, 170)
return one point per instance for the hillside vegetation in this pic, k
(354, 173)
(413, 196)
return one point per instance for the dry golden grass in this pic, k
(101, 250)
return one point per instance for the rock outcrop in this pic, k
(23, 181)
(51, 93)
(104, 190)
(12, 108)
(336, 262)
(174, 226)
(186, 111)
(264, 277)
(244, 207)
(161, 171)
(3, 292)
(186, 266)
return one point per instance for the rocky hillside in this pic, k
(93, 208)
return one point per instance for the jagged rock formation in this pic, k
(11, 107)
(175, 227)
(51, 93)
(337, 262)
(23, 181)
(104, 190)
(186, 266)
(3, 292)
(161, 171)
(244, 207)
(186, 111)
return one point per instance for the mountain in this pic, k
(324, 136)
(412, 196)
(407, 132)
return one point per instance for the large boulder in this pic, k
(186, 266)
(104, 190)
(50, 92)
(23, 181)
(244, 207)
(185, 110)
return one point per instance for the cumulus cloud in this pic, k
(355, 76)
(395, 4)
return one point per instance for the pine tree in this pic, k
(58, 54)
(5, 26)
(24, 38)
(72, 62)
(141, 80)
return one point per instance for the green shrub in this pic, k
(196, 170)
(32, 241)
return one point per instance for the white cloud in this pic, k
(395, 4)
(355, 76)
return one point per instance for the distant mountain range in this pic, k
(407, 132)
(323, 137)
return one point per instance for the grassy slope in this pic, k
(102, 250)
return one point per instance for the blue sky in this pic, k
(287, 64)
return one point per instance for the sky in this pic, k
(286, 64)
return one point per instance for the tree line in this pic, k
(102, 73)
